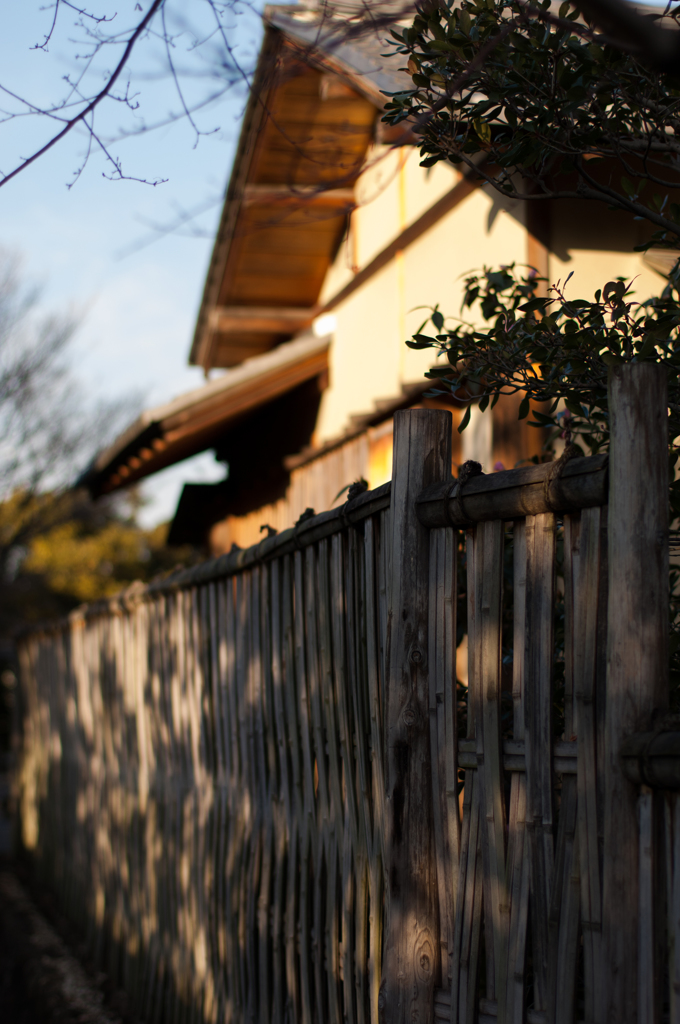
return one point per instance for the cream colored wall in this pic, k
(369, 360)
(391, 193)
(597, 244)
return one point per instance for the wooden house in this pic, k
(332, 240)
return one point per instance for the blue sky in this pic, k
(83, 245)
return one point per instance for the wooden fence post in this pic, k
(422, 456)
(637, 653)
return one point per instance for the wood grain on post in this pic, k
(422, 455)
(637, 652)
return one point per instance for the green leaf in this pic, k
(533, 304)
(465, 420)
(609, 359)
(439, 371)
(483, 130)
(546, 421)
(523, 408)
(573, 407)
(614, 291)
(646, 350)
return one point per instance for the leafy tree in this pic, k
(552, 107)
(48, 432)
(47, 427)
(93, 553)
(545, 107)
(57, 547)
(51, 535)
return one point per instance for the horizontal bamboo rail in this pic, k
(565, 756)
(652, 758)
(515, 493)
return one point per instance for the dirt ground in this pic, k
(41, 981)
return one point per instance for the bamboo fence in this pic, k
(249, 787)
(206, 768)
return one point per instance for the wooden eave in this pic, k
(308, 124)
(196, 421)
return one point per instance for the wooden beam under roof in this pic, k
(303, 144)
(256, 319)
(299, 195)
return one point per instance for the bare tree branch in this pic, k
(94, 103)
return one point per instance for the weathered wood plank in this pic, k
(282, 799)
(422, 455)
(443, 736)
(585, 558)
(356, 645)
(296, 802)
(564, 910)
(672, 843)
(538, 700)
(637, 650)
(377, 837)
(647, 1009)
(511, 1002)
(327, 592)
(515, 492)
(484, 637)
(468, 908)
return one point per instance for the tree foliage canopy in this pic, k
(57, 547)
(542, 105)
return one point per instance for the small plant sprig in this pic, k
(555, 351)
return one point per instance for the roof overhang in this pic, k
(309, 121)
(195, 421)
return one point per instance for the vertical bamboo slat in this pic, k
(468, 907)
(647, 1009)
(586, 563)
(485, 694)
(672, 844)
(422, 456)
(511, 1000)
(443, 737)
(637, 649)
(538, 700)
